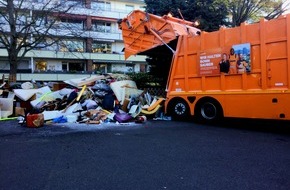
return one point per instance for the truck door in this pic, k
(277, 73)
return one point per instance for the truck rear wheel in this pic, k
(208, 111)
(179, 109)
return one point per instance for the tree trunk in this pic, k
(12, 53)
(13, 66)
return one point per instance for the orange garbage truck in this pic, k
(241, 72)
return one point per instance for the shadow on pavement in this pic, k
(261, 125)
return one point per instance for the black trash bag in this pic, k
(100, 93)
(102, 86)
(73, 95)
(108, 102)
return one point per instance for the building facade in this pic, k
(97, 49)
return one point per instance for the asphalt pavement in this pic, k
(236, 154)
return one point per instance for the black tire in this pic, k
(208, 111)
(179, 110)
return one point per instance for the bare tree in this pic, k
(29, 24)
(244, 10)
(277, 9)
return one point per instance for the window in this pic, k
(2, 45)
(100, 68)
(101, 26)
(102, 47)
(21, 41)
(3, 20)
(49, 44)
(41, 45)
(51, 67)
(22, 19)
(71, 46)
(130, 68)
(101, 5)
(129, 8)
(40, 65)
(76, 66)
(77, 3)
(41, 20)
(46, 44)
(71, 24)
(143, 8)
(64, 66)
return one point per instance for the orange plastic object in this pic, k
(34, 120)
(153, 106)
(146, 112)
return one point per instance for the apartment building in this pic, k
(97, 49)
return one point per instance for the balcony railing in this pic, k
(111, 13)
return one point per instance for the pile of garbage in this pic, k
(93, 100)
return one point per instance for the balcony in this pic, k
(132, 1)
(112, 13)
(103, 35)
(76, 55)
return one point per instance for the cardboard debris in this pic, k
(84, 81)
(19, 111)
(25, 94)
(41, 93)
(120, 87)
(6, 107)
(72, 109)
(49, 115)
(135, 110)
(72, 118)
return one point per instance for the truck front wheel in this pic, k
(179, 110)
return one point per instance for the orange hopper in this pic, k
(143, 31)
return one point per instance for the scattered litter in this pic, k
(27, 85)
(98, 99)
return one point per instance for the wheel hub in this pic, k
(180, 109)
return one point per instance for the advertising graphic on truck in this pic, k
(230, 60)
(241, 72)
